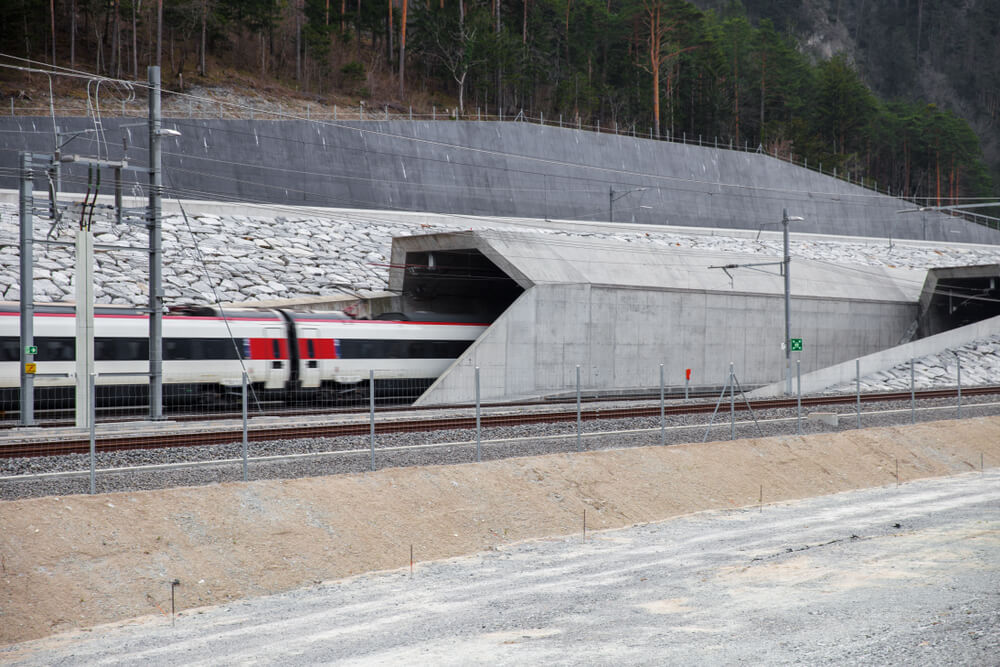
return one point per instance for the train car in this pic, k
(202, 353)
(289, 356)
(406, 352)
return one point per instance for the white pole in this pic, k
(84, 325)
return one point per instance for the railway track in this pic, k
(216, 434)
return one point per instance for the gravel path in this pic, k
(902, 575)
(304, 457)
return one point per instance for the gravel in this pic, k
(170, 467)
(879, 576)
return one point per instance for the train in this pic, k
(323, 357)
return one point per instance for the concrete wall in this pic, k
(486, 168)
(846, 371)
(620, 336)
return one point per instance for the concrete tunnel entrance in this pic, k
(460, 282)
(956, 296)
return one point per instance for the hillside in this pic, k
(929, 51)
(789, 77)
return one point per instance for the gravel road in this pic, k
(905, 575)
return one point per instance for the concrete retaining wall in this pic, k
(485, 168)
(620, 336)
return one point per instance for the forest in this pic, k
(661, 67)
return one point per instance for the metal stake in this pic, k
(371, 412)
(173, 584)
(913, 396)
(479, 431)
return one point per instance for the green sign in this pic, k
(796, 344)
(31, 349)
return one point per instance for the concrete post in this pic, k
(84, 326)
(153, 223)
(26, 204)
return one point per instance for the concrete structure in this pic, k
(955, 296)
(485, 168)
(619, 310)
(845, 372)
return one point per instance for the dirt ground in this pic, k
(79, 561)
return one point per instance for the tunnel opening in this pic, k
(959, 296)
(463, 283)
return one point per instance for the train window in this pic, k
(400, 349)
(185, 349)
(177, 349)
(121, 349)
(55, 349)
(10, 349)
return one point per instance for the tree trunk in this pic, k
(204, 26)
(298, 42)
(72, 35)
(402, 52)
(52, 16)
(159, 34)
(135, 44)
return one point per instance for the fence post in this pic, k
(335, 112)
(93, 435)
(479, 431)
(245, 477)
(857, 375)
(579, 419)
(732, 401)
(663, 423)
(798, 406)
(913, 395)
(371, 413)
(959, 362)
(434, 113)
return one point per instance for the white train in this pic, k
(287, 355)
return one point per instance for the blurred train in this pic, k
(288, 356)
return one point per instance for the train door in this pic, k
(277, 368)
(309, 371)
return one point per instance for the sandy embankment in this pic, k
(79, 561)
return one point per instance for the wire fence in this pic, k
(242, 430)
